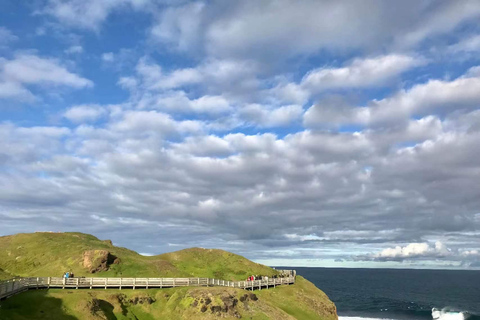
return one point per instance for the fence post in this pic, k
(63, 286)
(106, 280)
(91, 283)
(77, 283)
(48, 282)
(147, 282)
(134, 283)
(121, 284)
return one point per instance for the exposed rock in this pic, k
(229, 302)
(109, 242)
(142, 300)
(216, 309)
(223, 303)
(98, 260)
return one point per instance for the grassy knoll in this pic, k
(50, 254)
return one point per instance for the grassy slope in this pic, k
(47, 254)
(4, 275)
(51, 254)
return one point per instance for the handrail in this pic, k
(14, 286)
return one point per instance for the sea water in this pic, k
(397, 294)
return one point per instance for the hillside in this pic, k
(47, 254)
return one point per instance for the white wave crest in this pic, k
(444, 314)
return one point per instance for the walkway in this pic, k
(14, 286)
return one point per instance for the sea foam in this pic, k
(437, 314)
(444, 314)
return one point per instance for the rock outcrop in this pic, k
(98, 260)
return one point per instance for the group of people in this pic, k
(256, 277)
(68, 275)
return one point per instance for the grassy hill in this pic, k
(50, 254)
(47, 254)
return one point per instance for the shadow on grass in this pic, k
(107, 309)
(34, 304)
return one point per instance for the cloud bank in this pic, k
(296, 133)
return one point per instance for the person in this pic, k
(67, 275)
(64, 275)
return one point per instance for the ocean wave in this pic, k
(446, 314)
(437, 314)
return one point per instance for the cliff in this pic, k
(50, 254)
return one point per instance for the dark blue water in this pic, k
(399, 294)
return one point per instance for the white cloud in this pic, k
(6, 37)
(217, 144)
(15, 90)
(26, 69)
(471, 253)
(437, 96)
(108, 57)
(88, 14)
(268, 116)
(414, 250)
(360, 73)
(470, 44)
(74, 50)
(219, 75)
(30, 69)
(84, 113)
(145, 122)
(179, 102)
(273, 30)
(180, 25)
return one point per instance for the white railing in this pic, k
(14, 286)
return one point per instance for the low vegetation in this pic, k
(47, 254)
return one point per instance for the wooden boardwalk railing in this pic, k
(14, 286)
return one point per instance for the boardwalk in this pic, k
(14, 286)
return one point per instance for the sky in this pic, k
(295, 133)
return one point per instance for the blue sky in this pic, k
(308, 133)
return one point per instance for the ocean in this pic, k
(399, 293)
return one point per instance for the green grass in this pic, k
(4, 275)
(50, 254)
(174, 303)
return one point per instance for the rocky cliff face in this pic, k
(98, 260)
